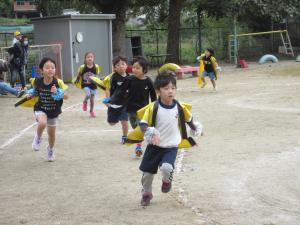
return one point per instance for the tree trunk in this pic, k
(175, 7)
(119, 8)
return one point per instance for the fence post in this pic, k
(5, 36)
(156, 42)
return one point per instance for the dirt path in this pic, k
(245, 171)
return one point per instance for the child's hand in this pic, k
(53, 89)
(156, 139)
(152, 136)
(28, 96)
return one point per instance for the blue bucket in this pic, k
(34, 72)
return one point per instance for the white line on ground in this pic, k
(182, 196)
(22, 132)
(90, 131)
(240, 103)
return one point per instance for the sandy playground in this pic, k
(244, 172)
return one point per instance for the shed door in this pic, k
(94, 36)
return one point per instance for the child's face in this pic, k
(89, 59)
(207, 53)
(121, 67)
(137, 69)
(167, 93)
(49, 69)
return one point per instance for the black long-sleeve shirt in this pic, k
(139, 92)
(116, 91)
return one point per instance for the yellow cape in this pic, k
(146, 114)
(77, 81)
(201, 68)
(25, 102)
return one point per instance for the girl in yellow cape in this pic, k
(162, 123)
(208, 68)
(46, 97)
(84, 81)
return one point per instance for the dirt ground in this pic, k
(244, 172)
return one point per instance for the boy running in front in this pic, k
(163, 125)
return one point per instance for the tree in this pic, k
(6, 8)
(119, 8)
(175, 7)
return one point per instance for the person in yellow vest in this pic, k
(162, 123)
(85, 72)
(46, 97)
(208, 68)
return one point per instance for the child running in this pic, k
(140, 89)
(208, 68)
(163, 125)
(85, 71)
(48, 92)
(116, 102)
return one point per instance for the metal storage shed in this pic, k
(77, 34)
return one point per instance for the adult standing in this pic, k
(19, 60)
(17, 37)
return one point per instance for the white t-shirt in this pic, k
(14, 41)
(167, 124)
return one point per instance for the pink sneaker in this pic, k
(84, 106)
(93, 114)
(146, 198)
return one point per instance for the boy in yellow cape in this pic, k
(163, 126)
(208, 68)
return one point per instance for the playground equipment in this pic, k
(267, 58)
(233, 43)
(168, 66)
(298, 58)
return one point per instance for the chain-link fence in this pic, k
(6, 38)
(192, 42)
(35, 54)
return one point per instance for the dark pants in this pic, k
(17, 71)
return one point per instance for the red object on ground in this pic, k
(129, 68)
(243, 63)
(187, 69)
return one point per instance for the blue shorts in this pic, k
(211, 75)
(88, 91)
(116, 115)
(155, 156)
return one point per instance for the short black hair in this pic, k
(143, 62)
(117, 59)
(164, 78)
(211, 51)
(44, 60)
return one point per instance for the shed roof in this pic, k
(78, 17)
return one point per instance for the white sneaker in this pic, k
(36, 143)
(50, 155)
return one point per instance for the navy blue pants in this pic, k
(155, 156)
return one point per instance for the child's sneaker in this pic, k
(50, 155)
(36, 143)
(84, 106)
(123, 139)
(166, 186)
(138, 151)
(146, 198)
(93, 114)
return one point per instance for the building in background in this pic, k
(26, 8)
